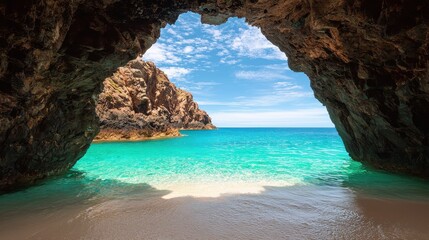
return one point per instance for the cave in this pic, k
(368, 63)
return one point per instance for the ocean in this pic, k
(229, 183)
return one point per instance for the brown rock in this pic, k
(139, 102)
(368, 62)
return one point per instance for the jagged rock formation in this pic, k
(140, 102)
(367, 61)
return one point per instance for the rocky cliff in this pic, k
(368, 62)
(140, 102)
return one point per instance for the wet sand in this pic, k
(294, 212)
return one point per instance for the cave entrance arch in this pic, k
(367, 62)
(236, 74)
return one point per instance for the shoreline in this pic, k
(119, 135)
(137, 139)
(197, 129)
(168, 135)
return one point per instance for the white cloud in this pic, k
(262, 101)
(285, 86)
(206, 83)
(216, 33)
(252, 43)
(279, 94)
(314, 117)
(201, 49)
(180, 49)
(290, 91)
(278, 67)
(160, 54)
(275, 98)
(198, 88)
(188, 49)
(223, 52)
(193, 41)
(176, 73)
(187, 26)
(171, 31)
(258, 75)
(229, 61)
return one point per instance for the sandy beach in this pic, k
(296, 212)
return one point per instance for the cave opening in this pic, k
(235, 74)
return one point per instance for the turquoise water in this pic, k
(297, 181)
(269, 156)
(281, 156)
(244, 155)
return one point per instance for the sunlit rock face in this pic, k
(367, 61)
(140, 102)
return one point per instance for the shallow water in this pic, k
(222, 184)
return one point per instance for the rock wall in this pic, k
(367, 61)
(140, 102)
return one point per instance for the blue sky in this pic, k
(236, 75)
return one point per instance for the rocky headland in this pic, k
(139, 102)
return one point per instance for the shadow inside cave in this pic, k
(74, 207)
(72, 188)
